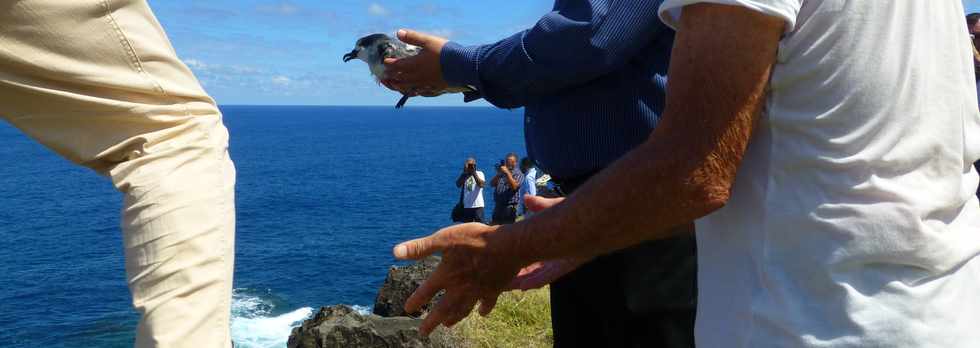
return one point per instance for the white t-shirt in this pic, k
(853, 220)
(473, 194)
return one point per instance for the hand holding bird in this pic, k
(411, 66)
(420, 72)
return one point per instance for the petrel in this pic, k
(375, 48)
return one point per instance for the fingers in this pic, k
(424, 293)
(537, 204)
(412, 37)
(451, 309)
(420, 248)
(437, 316)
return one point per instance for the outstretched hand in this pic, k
(474, 268)
(420, 74)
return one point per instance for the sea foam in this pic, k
(253, 324)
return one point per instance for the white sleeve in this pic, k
(479, 174)
(788, 10)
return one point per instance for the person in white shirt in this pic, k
(826, 149)
(471, 182)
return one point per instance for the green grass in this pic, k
(521, 319)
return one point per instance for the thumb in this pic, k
(412, 37)
(537, 204)
(419, 248)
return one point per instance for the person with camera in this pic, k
(506, 184)
(471, 182)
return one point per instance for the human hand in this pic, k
(475, 267)
(539, 274)
(420, 74)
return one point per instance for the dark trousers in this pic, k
(473, 215)
(504, 214)
(643, 296)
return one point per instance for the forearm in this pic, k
(513, 182)
(690, 160)
(461, 180)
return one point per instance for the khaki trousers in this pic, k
(97, 82)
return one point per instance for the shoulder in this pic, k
(479, 174)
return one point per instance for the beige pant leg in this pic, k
(98, 82)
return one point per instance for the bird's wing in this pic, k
(399, 49)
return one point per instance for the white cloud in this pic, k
(195, 64)
(377, 10)
(284, 9)
(281, 80)
(445, 33)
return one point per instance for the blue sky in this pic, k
(289, 52)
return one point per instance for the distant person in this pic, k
(506, 184)
(98, 83)
(529, 186)
(471, 182)
(592, 78)
(824, 148)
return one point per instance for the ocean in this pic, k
(323, 194)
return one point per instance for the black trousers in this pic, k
(644, 296)
(473, 215)
(504, 214)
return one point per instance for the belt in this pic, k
(565, 186)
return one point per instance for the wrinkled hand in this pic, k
(474, 267)
(539, 274)
(420, 74)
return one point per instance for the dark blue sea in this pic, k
(323, 195)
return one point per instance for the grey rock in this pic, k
(342, 326)
(400, 284)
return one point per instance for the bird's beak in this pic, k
(350, 56)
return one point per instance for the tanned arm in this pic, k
(479, 181)
(719, 71)
(718, 76)
(509, 176)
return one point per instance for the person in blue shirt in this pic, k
(591, 77)
(529, 186)
(505, 186)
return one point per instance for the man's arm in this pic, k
(514, 184)
(462, 179)
(480, 182)
(564, 49)
(719, 71)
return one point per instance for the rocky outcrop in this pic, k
(388, 327)
(400, 284)
(342, 326)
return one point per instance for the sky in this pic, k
(289, 52)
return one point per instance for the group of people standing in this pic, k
(510, 185)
